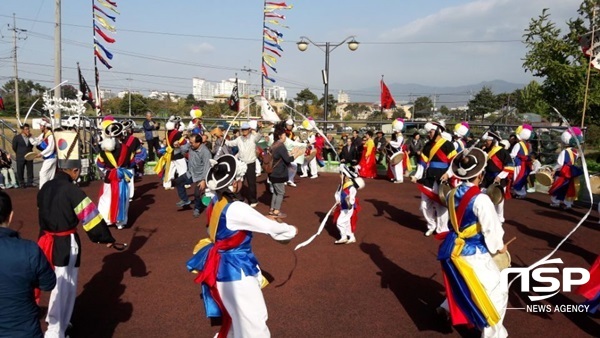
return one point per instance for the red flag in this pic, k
(387, 101)
(1, 103)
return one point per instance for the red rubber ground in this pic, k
(388, 284)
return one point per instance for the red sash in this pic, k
(46, 243)
(125, 151)
(209, 275)
(429, 193)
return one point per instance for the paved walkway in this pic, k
(388, 284)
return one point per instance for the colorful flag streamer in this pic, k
(101, 53)
(272, 39)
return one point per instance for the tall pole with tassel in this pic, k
(589, 68)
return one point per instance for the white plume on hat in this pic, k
(170, 125)
(398, 125)
(461, 130)
(446, 136)
(289, 122)
(565, 137)
(253, 124)
(430, 126)
(505, 143)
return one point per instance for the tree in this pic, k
(531, 100)
(69, 92)
(423, 103)
(305, 96)
(190, 100)
(138, 105)
(558, 60)
(331, 103)
(444, 110)
(483, 103)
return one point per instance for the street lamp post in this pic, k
(327, 47)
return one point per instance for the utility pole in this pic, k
(57, 58)
(129, 79)
(16, 32)
(249, 71)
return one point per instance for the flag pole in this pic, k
(381, 95)
(262, 54)
(589, 68)
(96, 73)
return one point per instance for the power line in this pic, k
(216, 37)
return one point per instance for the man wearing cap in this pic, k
(151, 134)
(471, 277)
(380, 143)
(62, 205)
(499, 169)
(431, 171)
(218, 145)
(246, 144)
(45, 143)
(520, 154)
(228, 270)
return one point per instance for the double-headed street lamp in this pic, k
(327, 47)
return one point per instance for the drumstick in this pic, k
(510, 241)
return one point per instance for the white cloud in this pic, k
(202, 48)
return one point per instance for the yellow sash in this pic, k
(478, 294)
(436, 147)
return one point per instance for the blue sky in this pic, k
(407, 41)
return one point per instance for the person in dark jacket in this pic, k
(281, 160)
(348, 154)
(151, 135)
(23, 266)
(21, 145)
(415, 147)
(62, 205)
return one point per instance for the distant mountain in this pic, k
(448, 96)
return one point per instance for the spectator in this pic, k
(7, 170)
(380, 143)
(246, 145)
(21, 146)
(23, 266)
(328, 151)
(414, 148)
(151, 134)
(198, 164)
(281, 160)
(357, 141)
(348, 153)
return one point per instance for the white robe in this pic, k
(243, 299)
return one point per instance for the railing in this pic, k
(3, 126)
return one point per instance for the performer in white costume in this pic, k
(227, 268)
(471, 277)
(45, 143)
